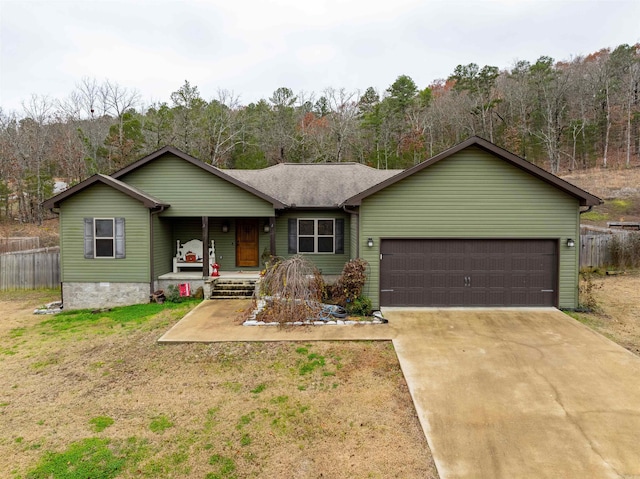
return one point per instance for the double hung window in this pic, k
(104, 238)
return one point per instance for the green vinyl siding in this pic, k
(101, 201)
(472, 194)
(192, 191)
(162, 246)
(326, 263)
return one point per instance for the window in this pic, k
(316, 236)
(104, 238)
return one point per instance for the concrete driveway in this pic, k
(520, 394)
(500, 393)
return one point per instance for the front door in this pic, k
(247, 251)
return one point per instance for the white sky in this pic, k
(253, 47)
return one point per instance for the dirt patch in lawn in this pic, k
(617, 312)
(321, 409)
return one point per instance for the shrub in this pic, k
(586, 292)
(625, 250)
(350, 283)
(173, 294)
(361, 306)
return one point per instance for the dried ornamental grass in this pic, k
(294, 290)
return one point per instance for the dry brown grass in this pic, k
(47, 232)
(617, 315)
(619, 188)
(325, 409)
(607, 183)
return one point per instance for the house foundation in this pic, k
(103, 295)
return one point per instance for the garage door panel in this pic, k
(468, 272)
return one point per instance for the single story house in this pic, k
(473, 226)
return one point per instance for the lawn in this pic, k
(93, 395)
(617, 308)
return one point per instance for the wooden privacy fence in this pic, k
(619, 249)
(38, 268)
(595, 250)
(19, 243)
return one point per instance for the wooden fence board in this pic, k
(595, 249)
(31, 269)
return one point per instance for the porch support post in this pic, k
(272, 235)
(205, 247)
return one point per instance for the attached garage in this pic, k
(468, 272)
(473, 226)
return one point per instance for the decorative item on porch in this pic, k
(189, 255)
(185, 289)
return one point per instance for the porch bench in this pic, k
(189, 255)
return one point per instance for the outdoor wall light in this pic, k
(571, 243)
(370, 242)
(267, 228)
(225, 227)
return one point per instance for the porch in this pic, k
(185, 248)
(186, 276)
(229, 285)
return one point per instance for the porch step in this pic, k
(233, 288)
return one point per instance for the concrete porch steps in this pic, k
(233, 288)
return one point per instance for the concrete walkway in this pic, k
(216, 321)
(499, 393)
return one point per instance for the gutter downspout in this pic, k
(151, 243)
(587, 210)
(355, 214)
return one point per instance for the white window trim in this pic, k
(315, 236)
(96, 238)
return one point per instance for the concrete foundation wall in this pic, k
(194, 283)
(103, 295)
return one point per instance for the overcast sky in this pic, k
(253, 47)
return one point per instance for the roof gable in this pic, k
(586, 199)
(200, 164)
(135, 193)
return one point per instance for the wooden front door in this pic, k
(247, 250)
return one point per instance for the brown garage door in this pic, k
(468, 272)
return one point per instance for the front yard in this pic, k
(93, 395)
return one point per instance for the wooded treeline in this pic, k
(559, 115)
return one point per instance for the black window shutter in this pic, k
(339, 236)
(120, 238)
(293, 235)
(88, 238)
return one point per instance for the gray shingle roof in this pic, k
(313, 185)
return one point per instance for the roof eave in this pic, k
(585, 198)
(148, 202)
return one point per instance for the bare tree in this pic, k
(343, 106)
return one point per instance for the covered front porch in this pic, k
(185, 250)
(191, 245)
